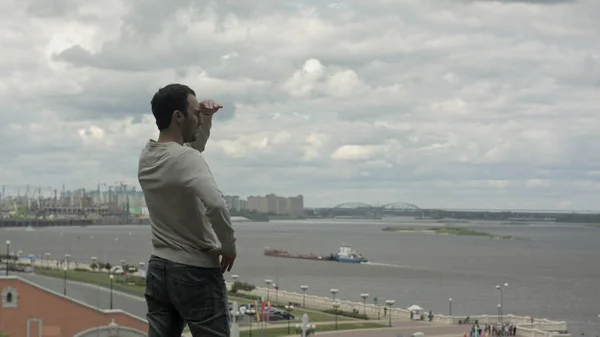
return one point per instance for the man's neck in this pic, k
(167, 137)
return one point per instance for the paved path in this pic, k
(405, 331)
(91, 294)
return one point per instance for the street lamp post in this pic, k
(7, 257)
(243, 311)
(289, 309)
(389, 304)
(66, 268)
(68, 260)
(251, 312)
(235, 326)
(364, 298)
(112, 277)
(268, 283)
(333, 292)
(47, 258)
(65, 280)
(501, 289)
(95, 263)
(336, 306)
(500, 313)
(304, 289)
(450, 306)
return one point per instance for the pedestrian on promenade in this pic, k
(193, 241)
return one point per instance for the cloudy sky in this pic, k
(441, 103)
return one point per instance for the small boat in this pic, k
(348, 255)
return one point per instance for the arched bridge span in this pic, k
(361, 210)
(401, 206)
(391, 206)
(353, 205)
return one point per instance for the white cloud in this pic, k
(354, 152)
(443, 104)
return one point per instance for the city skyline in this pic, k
(123, 195)
(236, 202)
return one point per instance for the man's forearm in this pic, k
(203, 133)
(221, 223)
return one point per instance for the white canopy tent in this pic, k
(415, 307)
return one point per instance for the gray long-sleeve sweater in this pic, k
(185, 206)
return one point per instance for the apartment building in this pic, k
(274, 204)
(236, 203)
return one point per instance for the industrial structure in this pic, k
(118, 202)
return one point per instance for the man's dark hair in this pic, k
(168, 99)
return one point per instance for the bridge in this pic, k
(365, 211)
(361, 210)
(394, 206)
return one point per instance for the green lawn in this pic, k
(318, 316)
(99, 278)
(102, 279)
(275, 332)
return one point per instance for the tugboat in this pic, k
(348, 255)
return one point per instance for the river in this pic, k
(553, 270)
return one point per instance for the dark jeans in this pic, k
(177, 294)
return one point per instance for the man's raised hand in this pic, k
(209, 107)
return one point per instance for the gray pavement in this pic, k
(404, 330)
(90, 294)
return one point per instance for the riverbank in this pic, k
(134, 285)
(314, 306)
(282, 330)
(411, 258)
(447, 231)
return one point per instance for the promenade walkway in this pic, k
(406, 330)
(440, 326)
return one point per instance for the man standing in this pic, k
(184, 281)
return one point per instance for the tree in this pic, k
(107, 266)
(243, 286)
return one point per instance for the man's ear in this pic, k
(178, 116)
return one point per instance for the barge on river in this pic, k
(346, 254)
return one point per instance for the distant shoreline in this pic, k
(447, 231)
